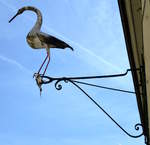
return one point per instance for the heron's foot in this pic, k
(39, 81)
(35, 75)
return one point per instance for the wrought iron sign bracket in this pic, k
(75, 81)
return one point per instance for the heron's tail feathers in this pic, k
(70, 47)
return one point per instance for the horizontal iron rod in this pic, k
(86, 77)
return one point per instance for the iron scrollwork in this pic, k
(73, 80)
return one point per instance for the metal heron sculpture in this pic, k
(37, 39)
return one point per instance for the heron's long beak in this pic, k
(13, 17)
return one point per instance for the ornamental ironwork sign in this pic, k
(76, 81)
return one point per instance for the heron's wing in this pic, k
(52, 41)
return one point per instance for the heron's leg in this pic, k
(48, 54)
(47, 64)
(43, 63)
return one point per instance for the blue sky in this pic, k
(66, 117)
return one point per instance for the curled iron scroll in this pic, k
(58, 84)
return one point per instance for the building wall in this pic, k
(146, 39)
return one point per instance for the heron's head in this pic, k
(20, 11)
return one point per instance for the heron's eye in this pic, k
(20, 11)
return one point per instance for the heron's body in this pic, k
(37, 39)
(35, 42)
(42, 40)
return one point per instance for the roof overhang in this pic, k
(132, 21)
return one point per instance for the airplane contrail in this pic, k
(96, 57)
(15, 63)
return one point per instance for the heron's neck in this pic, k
(38, 23)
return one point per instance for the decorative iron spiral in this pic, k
(137, 126)
(58, 85)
